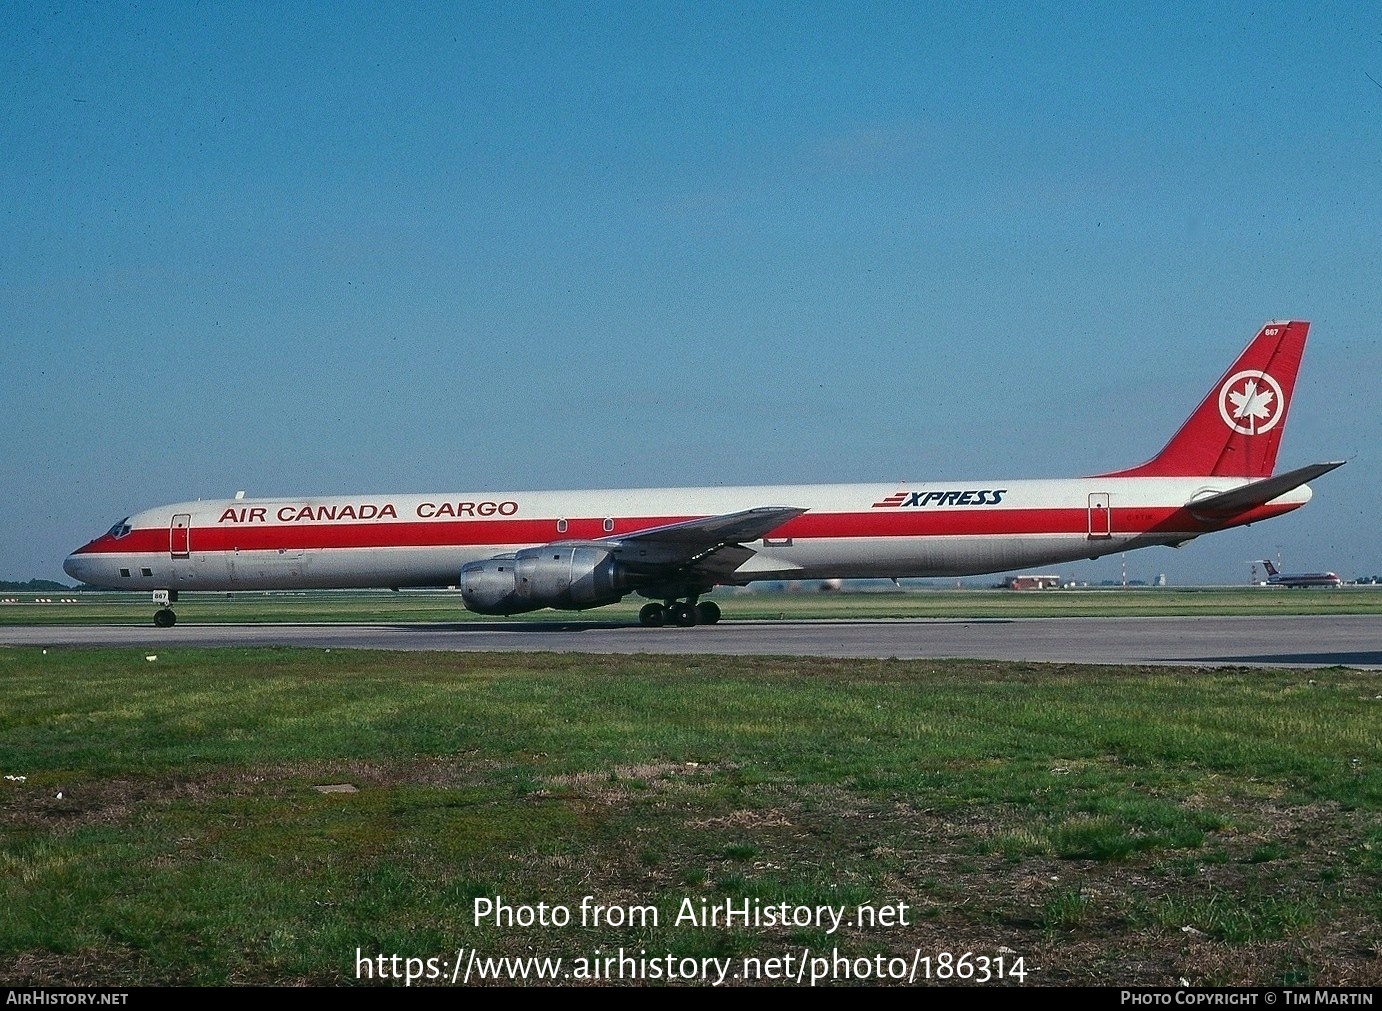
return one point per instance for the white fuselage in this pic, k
(847, 531)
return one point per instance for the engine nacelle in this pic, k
(567, 577)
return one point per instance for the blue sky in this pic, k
(349, 248)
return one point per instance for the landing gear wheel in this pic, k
(652, 615)
(707, 612)
(165, 618)
(682, 614)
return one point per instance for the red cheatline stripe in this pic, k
(470, 533)
(481, 532)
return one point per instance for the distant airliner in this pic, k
(511, 552)
(1299, 580)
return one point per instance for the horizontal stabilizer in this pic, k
(1240, 500)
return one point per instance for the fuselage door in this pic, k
(180, 536)
(1100, 517)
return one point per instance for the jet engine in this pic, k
(567, 577)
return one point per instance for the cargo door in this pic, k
(1100, 517)
(180, 536)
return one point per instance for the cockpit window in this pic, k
(120, 529)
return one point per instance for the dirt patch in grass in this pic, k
(1213, 915)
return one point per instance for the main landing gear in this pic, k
(684, 613)
(164, 616)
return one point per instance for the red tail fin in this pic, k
(1236, 430)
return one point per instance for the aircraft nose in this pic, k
(77, 566)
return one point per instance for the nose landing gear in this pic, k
(164, 616)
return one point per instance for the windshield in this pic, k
(120, 529)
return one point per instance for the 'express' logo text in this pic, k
(969, 497)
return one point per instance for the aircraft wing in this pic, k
(712, 545)
(748, 525)
(1258, 493)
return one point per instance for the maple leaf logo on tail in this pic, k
(1251, 402)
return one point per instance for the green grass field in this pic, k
(438, 605)
(160, 822)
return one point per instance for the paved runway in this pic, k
(1318, 640)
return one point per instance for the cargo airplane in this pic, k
(511, 552)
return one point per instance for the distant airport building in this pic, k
(1032, 582)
